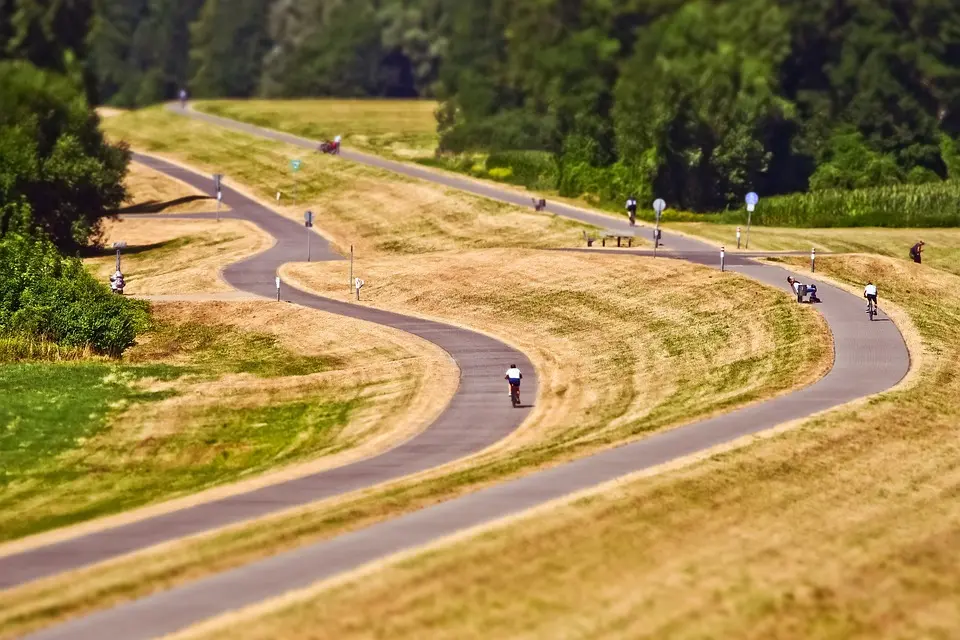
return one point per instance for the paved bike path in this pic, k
(478, 415)
(869, 358)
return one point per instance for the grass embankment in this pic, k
(214, 392)
(376, 211)
(403, 129)
(941, 251)
(845, 527)
(153, 192)
(625, 346)
(176, 256)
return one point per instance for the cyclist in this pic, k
(183, 98)
(870, 293)
(336, 144)
(632, 209)
(513, 377)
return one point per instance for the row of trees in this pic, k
(58, 179)
(698, 100)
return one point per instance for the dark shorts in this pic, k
(514, 382)
(872, 297)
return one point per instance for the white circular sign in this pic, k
(752, 199)
(659, 205)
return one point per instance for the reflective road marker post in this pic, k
(813, 260)
(738, 237)
(752, 200)
(278, 288)
(308, 222)
(723, 255)
(217, 179)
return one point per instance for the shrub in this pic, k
(532, 169)
(501, 173)
(49, 297)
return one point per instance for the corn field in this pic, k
(924, 205)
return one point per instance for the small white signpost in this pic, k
(358, 284)
(752, 199)
(738, 237)
(278, 288)
(217, 180)
(658, 206)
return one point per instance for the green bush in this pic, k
(46, 296)
(532, 169)
(934, 204)
(501, 173)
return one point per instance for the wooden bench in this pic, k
(619, 235)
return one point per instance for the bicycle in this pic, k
(871, 309)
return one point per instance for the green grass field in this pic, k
(70, 446)
(402, 129)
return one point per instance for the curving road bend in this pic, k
(869, 358)
(478, 415)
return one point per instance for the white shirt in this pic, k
(337, 139)
(513, 374)
(796, 287)
(870, 290)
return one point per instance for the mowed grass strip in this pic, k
(844, 527)
(374, 210)
(213, 393)
(403, 129)
(175, 256)
(624, 347)
(942, 249)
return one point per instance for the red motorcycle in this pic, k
(329, 147)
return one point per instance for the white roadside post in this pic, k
(217, 180)
(308, 223)
(278, 288)
(813, 260)
(358, 284)
(658, 206)
(723, 255)
(752, 200)
(738, 237)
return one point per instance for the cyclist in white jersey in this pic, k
(513, 376)
(870, 293)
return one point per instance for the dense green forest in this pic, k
(697, 101)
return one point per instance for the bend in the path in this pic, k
(869, 358)
(479, 414)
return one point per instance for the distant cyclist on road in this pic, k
(183, 98)
(513, 377)
(870, 293)
(632, 209)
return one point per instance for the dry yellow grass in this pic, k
(378, 212)
(176, 256)
(846, 527)
(153, 192)
(624, 346)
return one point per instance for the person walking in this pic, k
(916, 251)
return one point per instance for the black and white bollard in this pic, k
(723, 256)
(278, 288)
(813, 260)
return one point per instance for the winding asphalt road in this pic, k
(478, 415)
(869, 358)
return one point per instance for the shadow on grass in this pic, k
(101, 252)
(157, 206)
